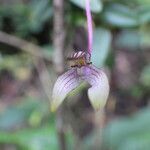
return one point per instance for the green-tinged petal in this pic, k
(64, 84)
(99, 91)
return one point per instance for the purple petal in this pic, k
(64, 84)
(99, 91)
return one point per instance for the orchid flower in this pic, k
(82, 70)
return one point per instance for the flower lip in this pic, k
(67, 82)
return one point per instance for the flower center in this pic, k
(79, 59)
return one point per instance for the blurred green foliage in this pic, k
(36, 136)
(145, 76)
(132, 133)
(124, 133)
(96, 5)
(26, 18)
(101, 46)
(15, 116)
(120, 16)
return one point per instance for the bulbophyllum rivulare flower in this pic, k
(81, 70)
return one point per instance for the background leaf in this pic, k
(120, 16)
(145, 76)
(131, 133)
(101, 45)
(144, 14)
(96, 5)
(129, 39)
(32, 139)
(15, 116)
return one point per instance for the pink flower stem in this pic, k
(89, 26)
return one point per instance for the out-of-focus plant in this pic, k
(132, 133)
(120, 16)
(126, 133)
(95, 5)
(145, 76)
(20, 68)
(26, 18)
(101, 46)
(15, 116)
(36, 136)
(32, 139)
